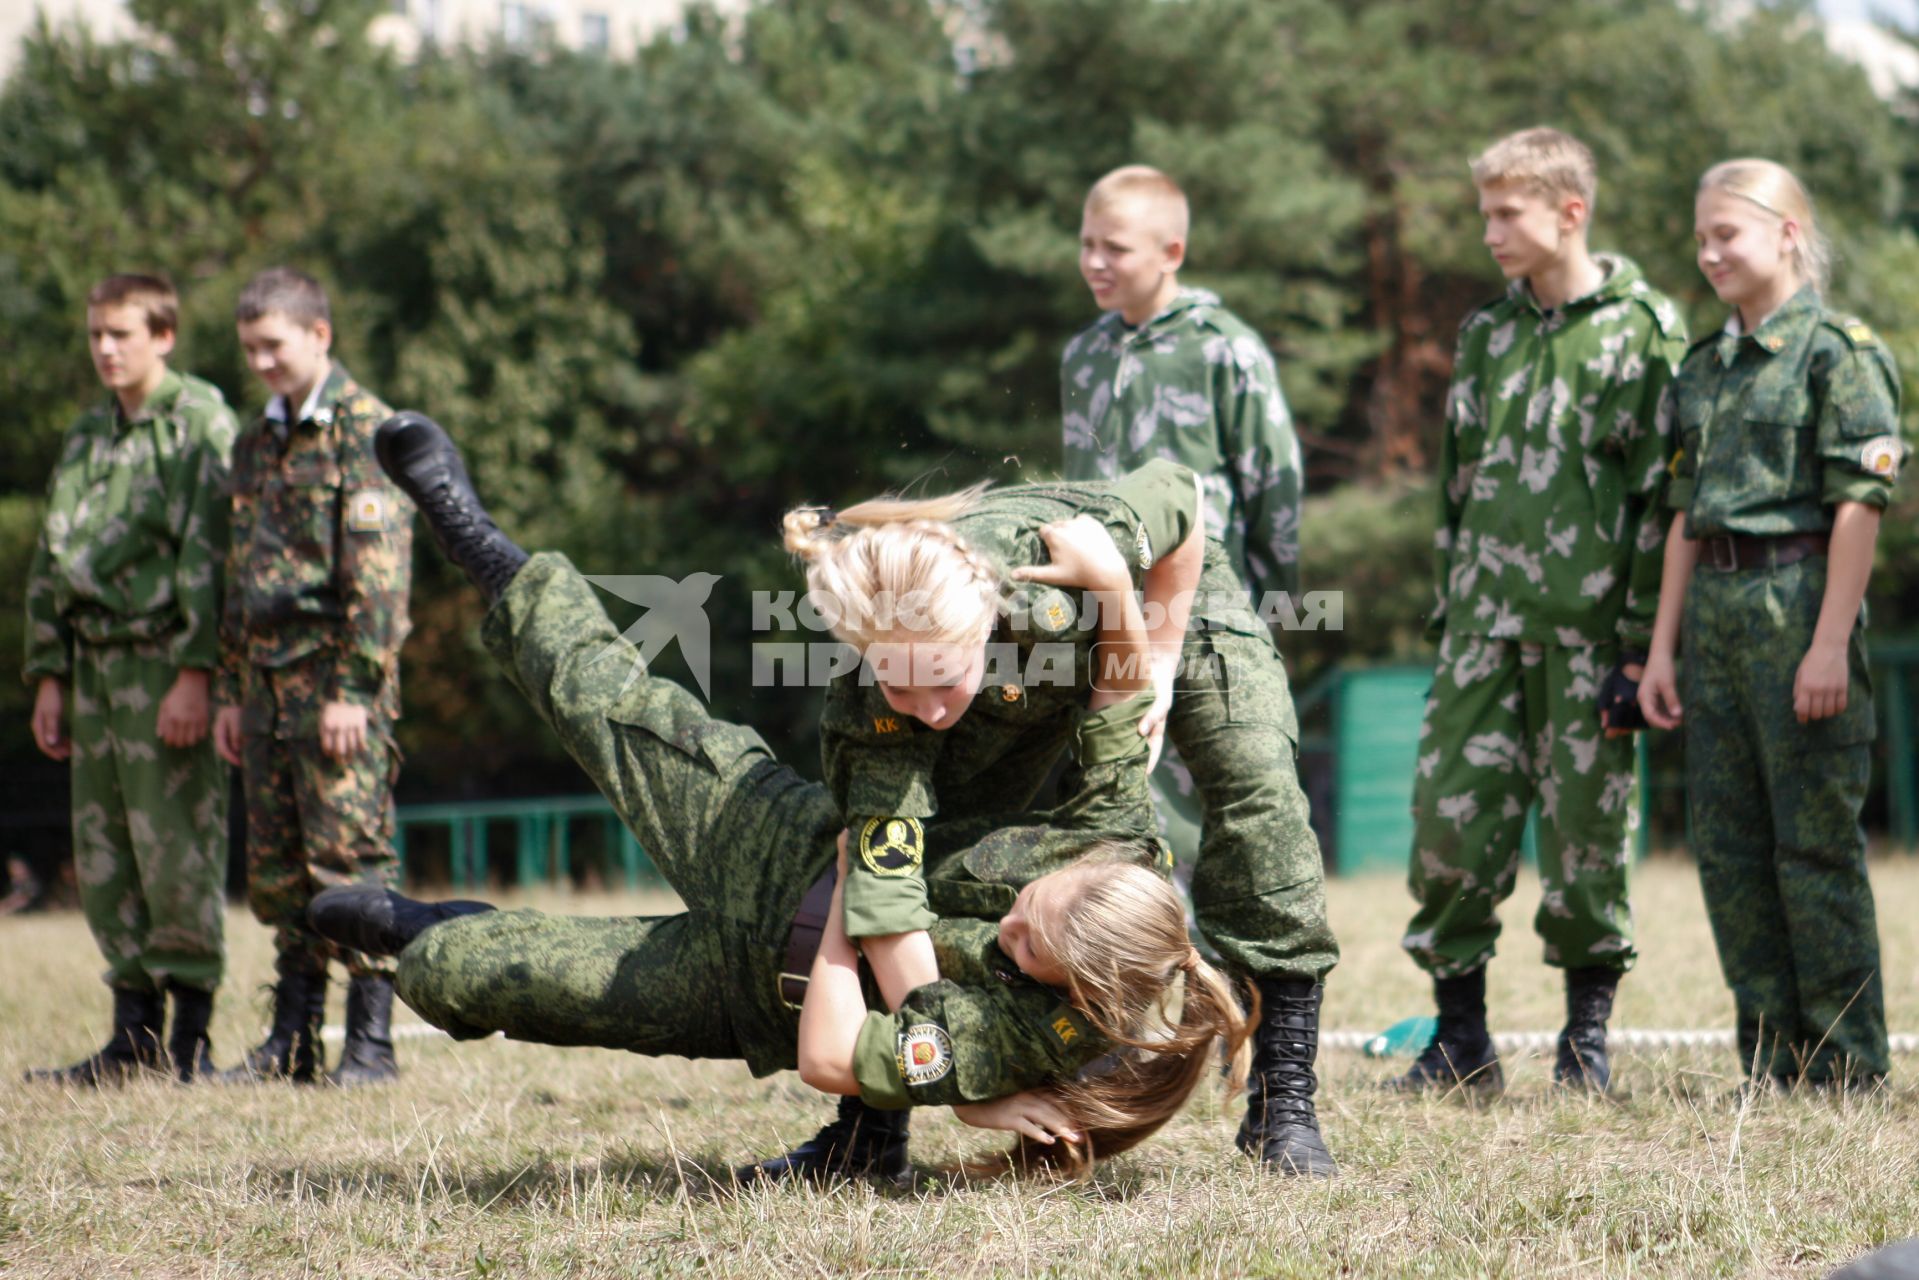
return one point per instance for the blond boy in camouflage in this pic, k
(1168, 372)
(1552, 465)
(309, 685)
(123, 606)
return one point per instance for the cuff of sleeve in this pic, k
(876, 907)
(876, 1063)
(1679, 493)
(35, 672)
(199, 653)
(1165, 497)
(1870, 491)
(1112, 733)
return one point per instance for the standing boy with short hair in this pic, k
(309, 687)
(123, 607)
(1552, 466)
(1167, 372)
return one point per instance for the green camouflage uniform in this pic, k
(1548, 555)
(1193, 385)
(123, 594)
(1258, 888)
(318, 570)
(740, 837)
(1775, 428)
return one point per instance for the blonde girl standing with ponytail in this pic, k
(1789, 449)
(979, 673)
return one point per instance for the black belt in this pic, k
(1732, 552)
(803, 942)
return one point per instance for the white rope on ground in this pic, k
(1508, 1042)
(1516, 1042)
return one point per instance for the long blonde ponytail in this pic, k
(895, 569)
(1122, 942)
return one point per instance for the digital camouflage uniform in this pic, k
(124, 593)
(1548, 556)
(1258, 887)
(318, 572)
(1776, 427)
(740, 837)
(1193, 385)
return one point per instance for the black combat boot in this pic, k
(189, 1048)
(134, 1045)
(377, 921)
(420, 457)
(1281, 1130)
(1582, 1062)
(861, 1142)
(367, 1057)
(291, 1050)
(1461, 1055)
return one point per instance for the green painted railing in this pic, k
(542, 838)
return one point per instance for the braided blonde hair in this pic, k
(894, 569)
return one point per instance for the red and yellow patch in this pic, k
(925, 1053)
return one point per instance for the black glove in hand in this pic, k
(1619, 696)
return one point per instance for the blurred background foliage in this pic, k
(826, 247)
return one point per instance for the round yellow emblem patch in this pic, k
(1881, 457)
(892, 846)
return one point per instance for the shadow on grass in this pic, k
(542, 1181)
(548, 1183)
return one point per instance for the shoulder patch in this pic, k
(1858, 333)
(1143, 548)
(925, 1053)
(892, 846)
(1067, 1025)
(366, 511)
(1882, 456)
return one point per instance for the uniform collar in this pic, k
(1185, 300)
(1619, 281)
(1777, 331)
(160, 402)
(319, 402)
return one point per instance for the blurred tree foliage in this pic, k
(827, 247)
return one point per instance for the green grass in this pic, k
(498, 1159)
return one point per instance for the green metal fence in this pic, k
(543, 831)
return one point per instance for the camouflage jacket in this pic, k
(1552, 465)
(1197, 386)
(889, 773)
(983, 1031)
(1778, 425)
(321, 553)
(135, 530)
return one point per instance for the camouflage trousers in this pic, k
(1259, 882)
(1775, 826)
(1510, 725)
(149, 826)
(738, 836)
(312, 821)
(1176, 805)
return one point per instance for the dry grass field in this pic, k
(498, 1159)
